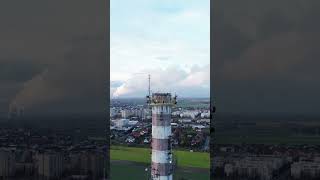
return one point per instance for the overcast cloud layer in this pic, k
(266, 56)
(53, 56)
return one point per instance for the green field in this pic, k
(136, 171)
(290, 130)
(143, 155)
(289, 140)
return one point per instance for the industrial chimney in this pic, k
(161, 159)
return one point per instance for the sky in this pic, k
(266, 56)
(53, 56)
(170, 40)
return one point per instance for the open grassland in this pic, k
(143, 155)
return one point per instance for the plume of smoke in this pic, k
(36, 91)
(172, 79)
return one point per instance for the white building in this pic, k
(301, 169)
(113, 112)
(190, 114)
(261, 167)
(88, 164)
(7, 164)
(125, 113)
(185, 120)
(205, 115)
(50, 165)
(196, 126)
(203, 121)
(92, 163)
(137, 113)
(122, 123)
(146, 114)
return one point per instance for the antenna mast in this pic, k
(149, 92)
(149, 77)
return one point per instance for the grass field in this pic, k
(136, 171)
(263, 129)
(289, 140)
(143, 155)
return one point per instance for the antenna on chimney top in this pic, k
(149, 91)
(149, 77)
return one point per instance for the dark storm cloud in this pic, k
(80, 78)
(61, 50)
(266, 55)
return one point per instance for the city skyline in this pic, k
(169, 40)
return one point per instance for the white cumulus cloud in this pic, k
(195, 82)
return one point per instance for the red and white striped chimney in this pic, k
(161, 160)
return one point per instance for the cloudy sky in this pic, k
(266, 56)
(168, 39)
(53, 56)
